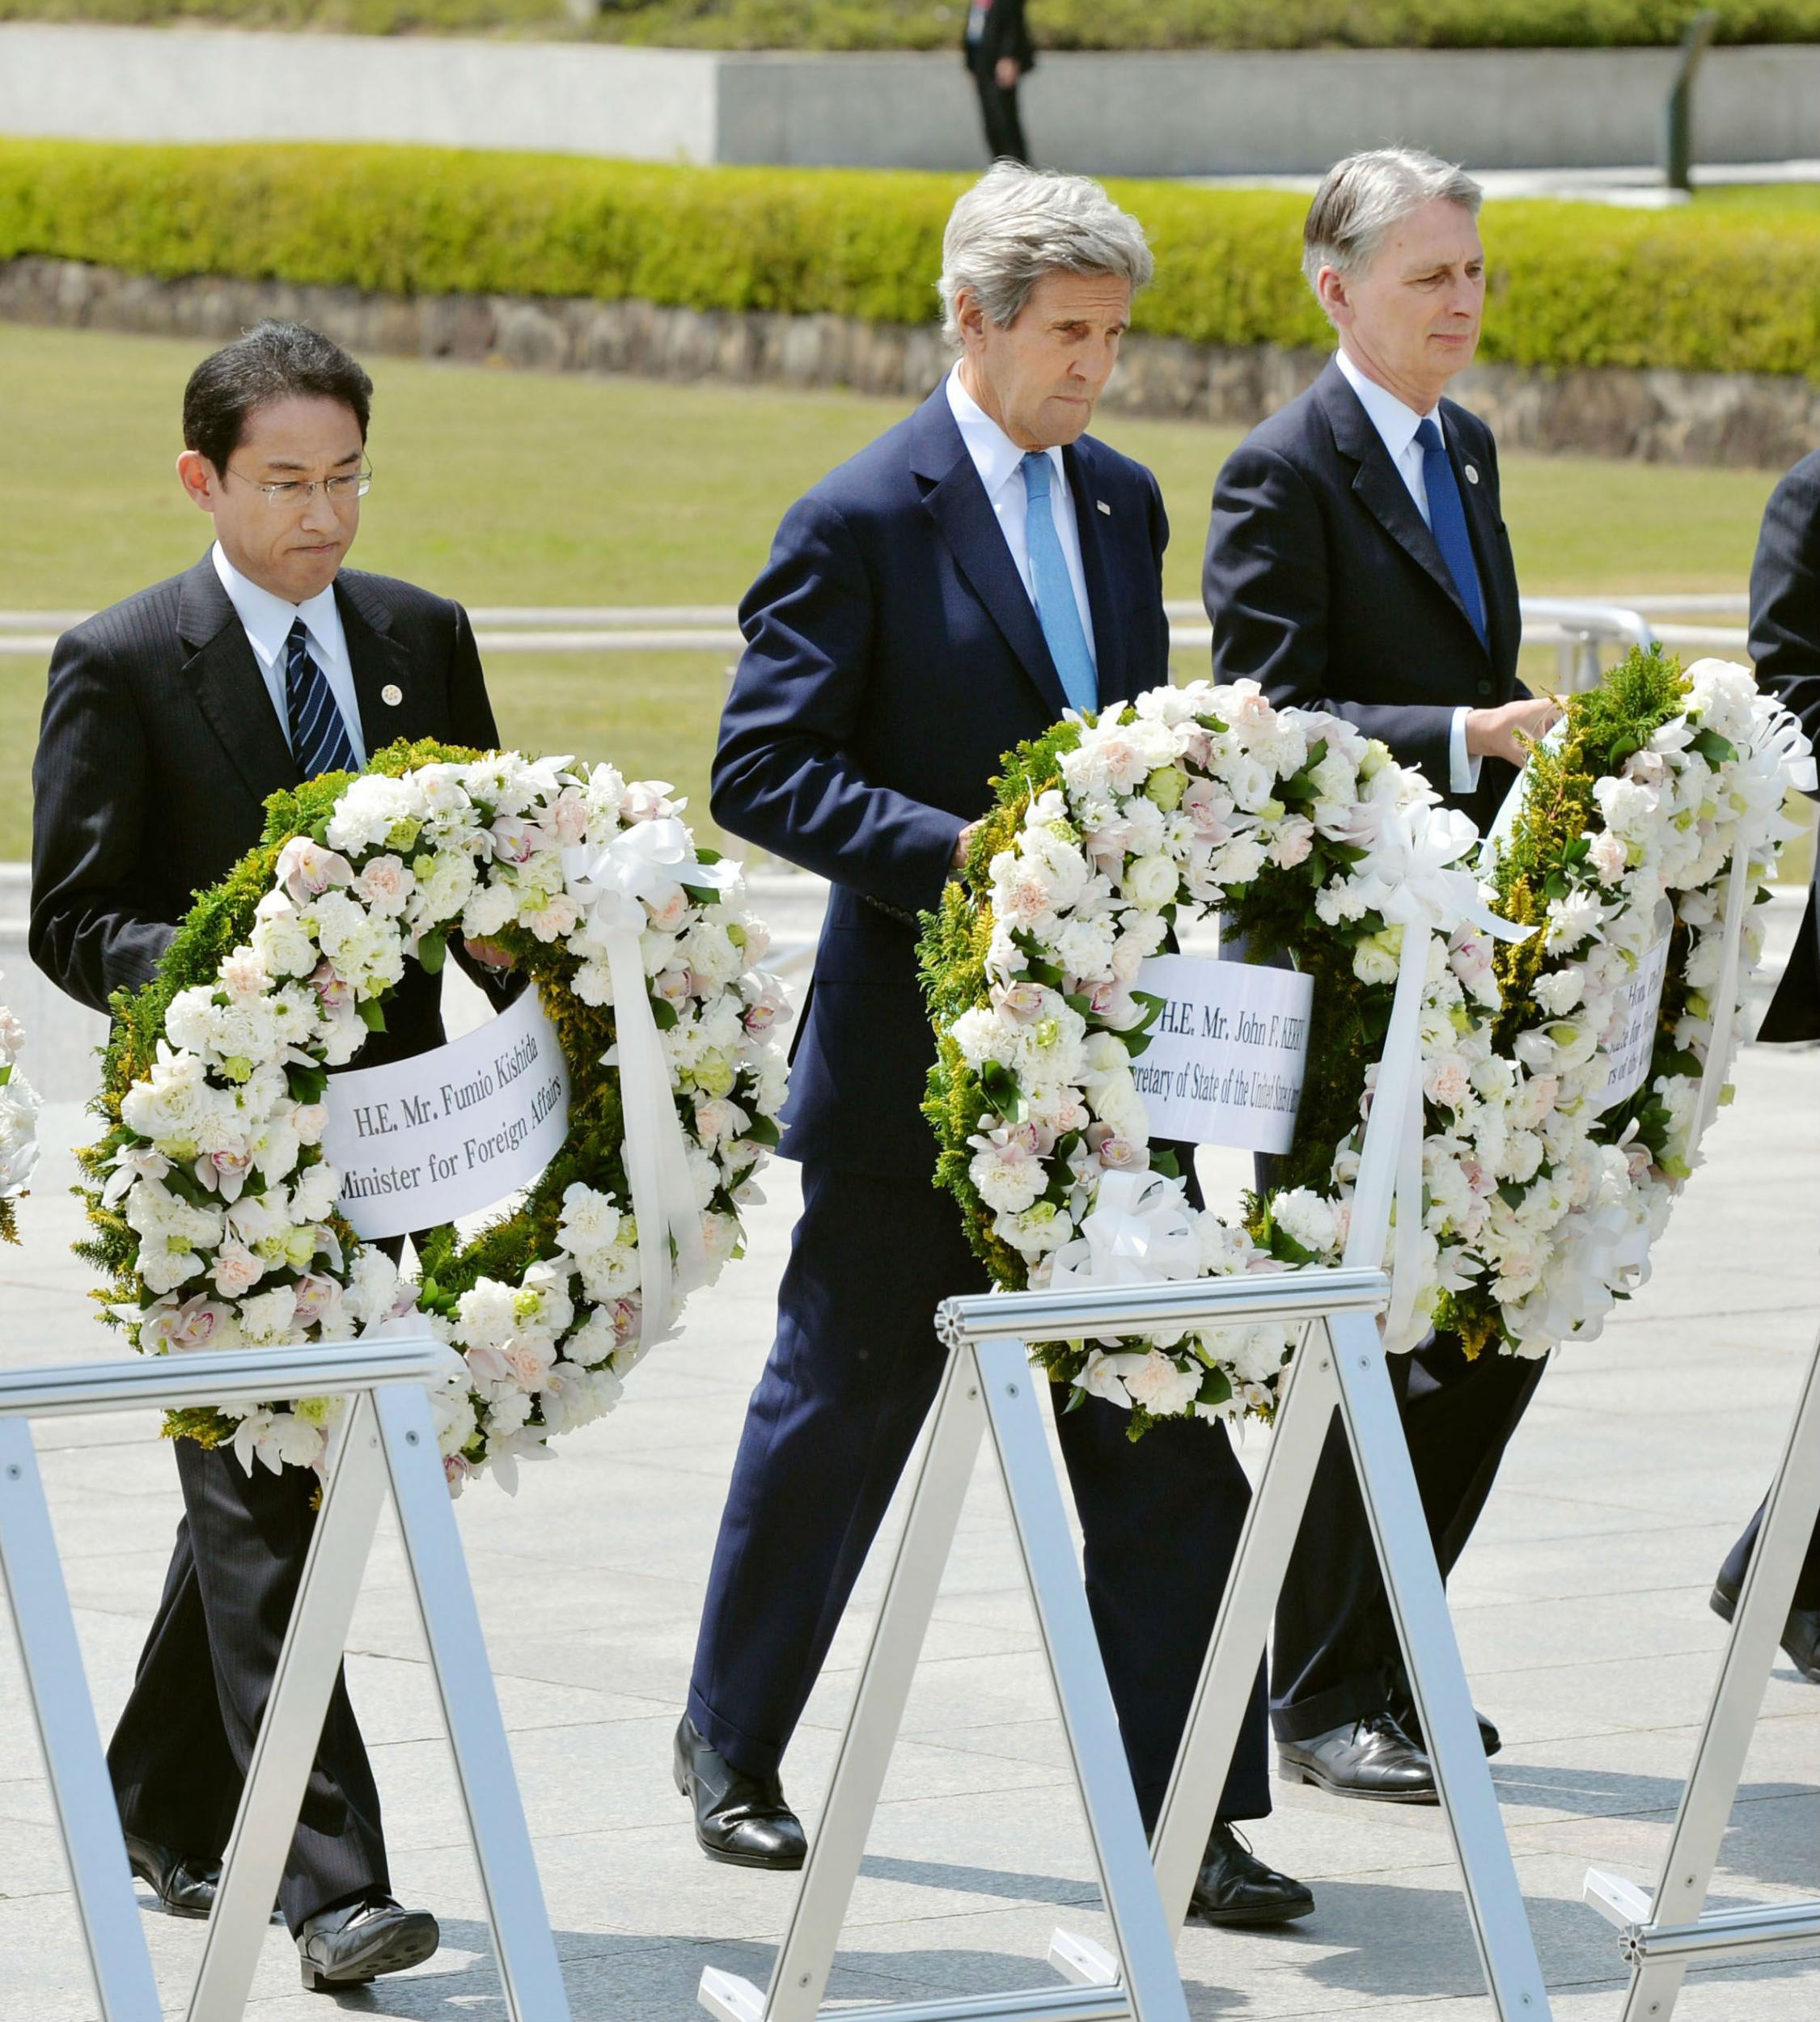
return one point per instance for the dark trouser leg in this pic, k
(852, 1371)
(1737, 1564)
(1161, 1518)
(1334, 1657)
(998, 110)
(206, 1674)
(174, 1777)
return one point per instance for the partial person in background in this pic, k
(169, 718)
(1357, 562)
(1785, 645)
(999, 52)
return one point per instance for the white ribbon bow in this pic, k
(612, 882)
(1138, 1232)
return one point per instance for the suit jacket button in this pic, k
(1484, 688)
(391, 694)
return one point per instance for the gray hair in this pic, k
(1363, 197)
(1017, 224)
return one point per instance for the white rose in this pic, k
(1152, 882)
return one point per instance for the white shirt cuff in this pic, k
(1462, 773)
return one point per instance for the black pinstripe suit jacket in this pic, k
(160, 745)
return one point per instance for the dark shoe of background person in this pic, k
(1403, 1712)
(1373, 1758)
(1235, 1887)
(183, 1885)
(738, 1818)
(356, 1942)
(1801, 1633)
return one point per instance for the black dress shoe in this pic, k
(184, 1885)
(738, 1818)
(1235, 1887)
(1801, 1633)
(1404, 1713)
(348, 1946)
(1373, 1758)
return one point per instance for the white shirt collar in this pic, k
(268, 619)
(1396, 423)
(996, 457)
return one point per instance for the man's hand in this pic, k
(1494, 733)
(1006, 73)
(962, 842)
(489, 953)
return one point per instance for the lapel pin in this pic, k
(1472, 474)
(1102, 506)
(392, 694)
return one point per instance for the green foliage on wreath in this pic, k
(220, 920)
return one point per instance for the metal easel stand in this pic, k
(1339, 1364)
(988, 1385)
(387, 1435)
(1661, 1935)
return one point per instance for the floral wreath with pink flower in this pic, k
(19, 1124)
(213, 1208)
(1113, 838)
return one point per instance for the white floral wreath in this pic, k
(1175, 809)
(19, 1123)
(218, 1211)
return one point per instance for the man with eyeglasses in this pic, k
(169, 720)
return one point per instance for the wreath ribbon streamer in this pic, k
(612, 883)
(1785, 750)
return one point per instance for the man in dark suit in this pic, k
(981, 568)
(1357, 562)
(1785, 645)
(999, 52)
(169, 718)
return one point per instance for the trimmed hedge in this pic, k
(1059, 24)
(1724, 288)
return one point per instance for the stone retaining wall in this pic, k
(1694, 417)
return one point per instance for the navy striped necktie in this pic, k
(318, 735)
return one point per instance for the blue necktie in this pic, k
(1447, 521)
(319, 737)
(1055, 608)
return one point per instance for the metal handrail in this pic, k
(224, 1376)
(1061, 1314)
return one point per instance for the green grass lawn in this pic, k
(509, 487)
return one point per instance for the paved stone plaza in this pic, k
(1582, 1608)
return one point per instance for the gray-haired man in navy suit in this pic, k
(948, 593)
(1358, 562)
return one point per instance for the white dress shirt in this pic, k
(1396, 426)
(1000, 463)
(267, 620)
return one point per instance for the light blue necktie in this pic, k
(319, 735)
(1447, 521)
(1055, 608)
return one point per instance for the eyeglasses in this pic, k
(291, 492)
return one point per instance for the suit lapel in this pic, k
(229, 688)
(958, 504)
(1379, 486)
(1096, 527)
(392, 701)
